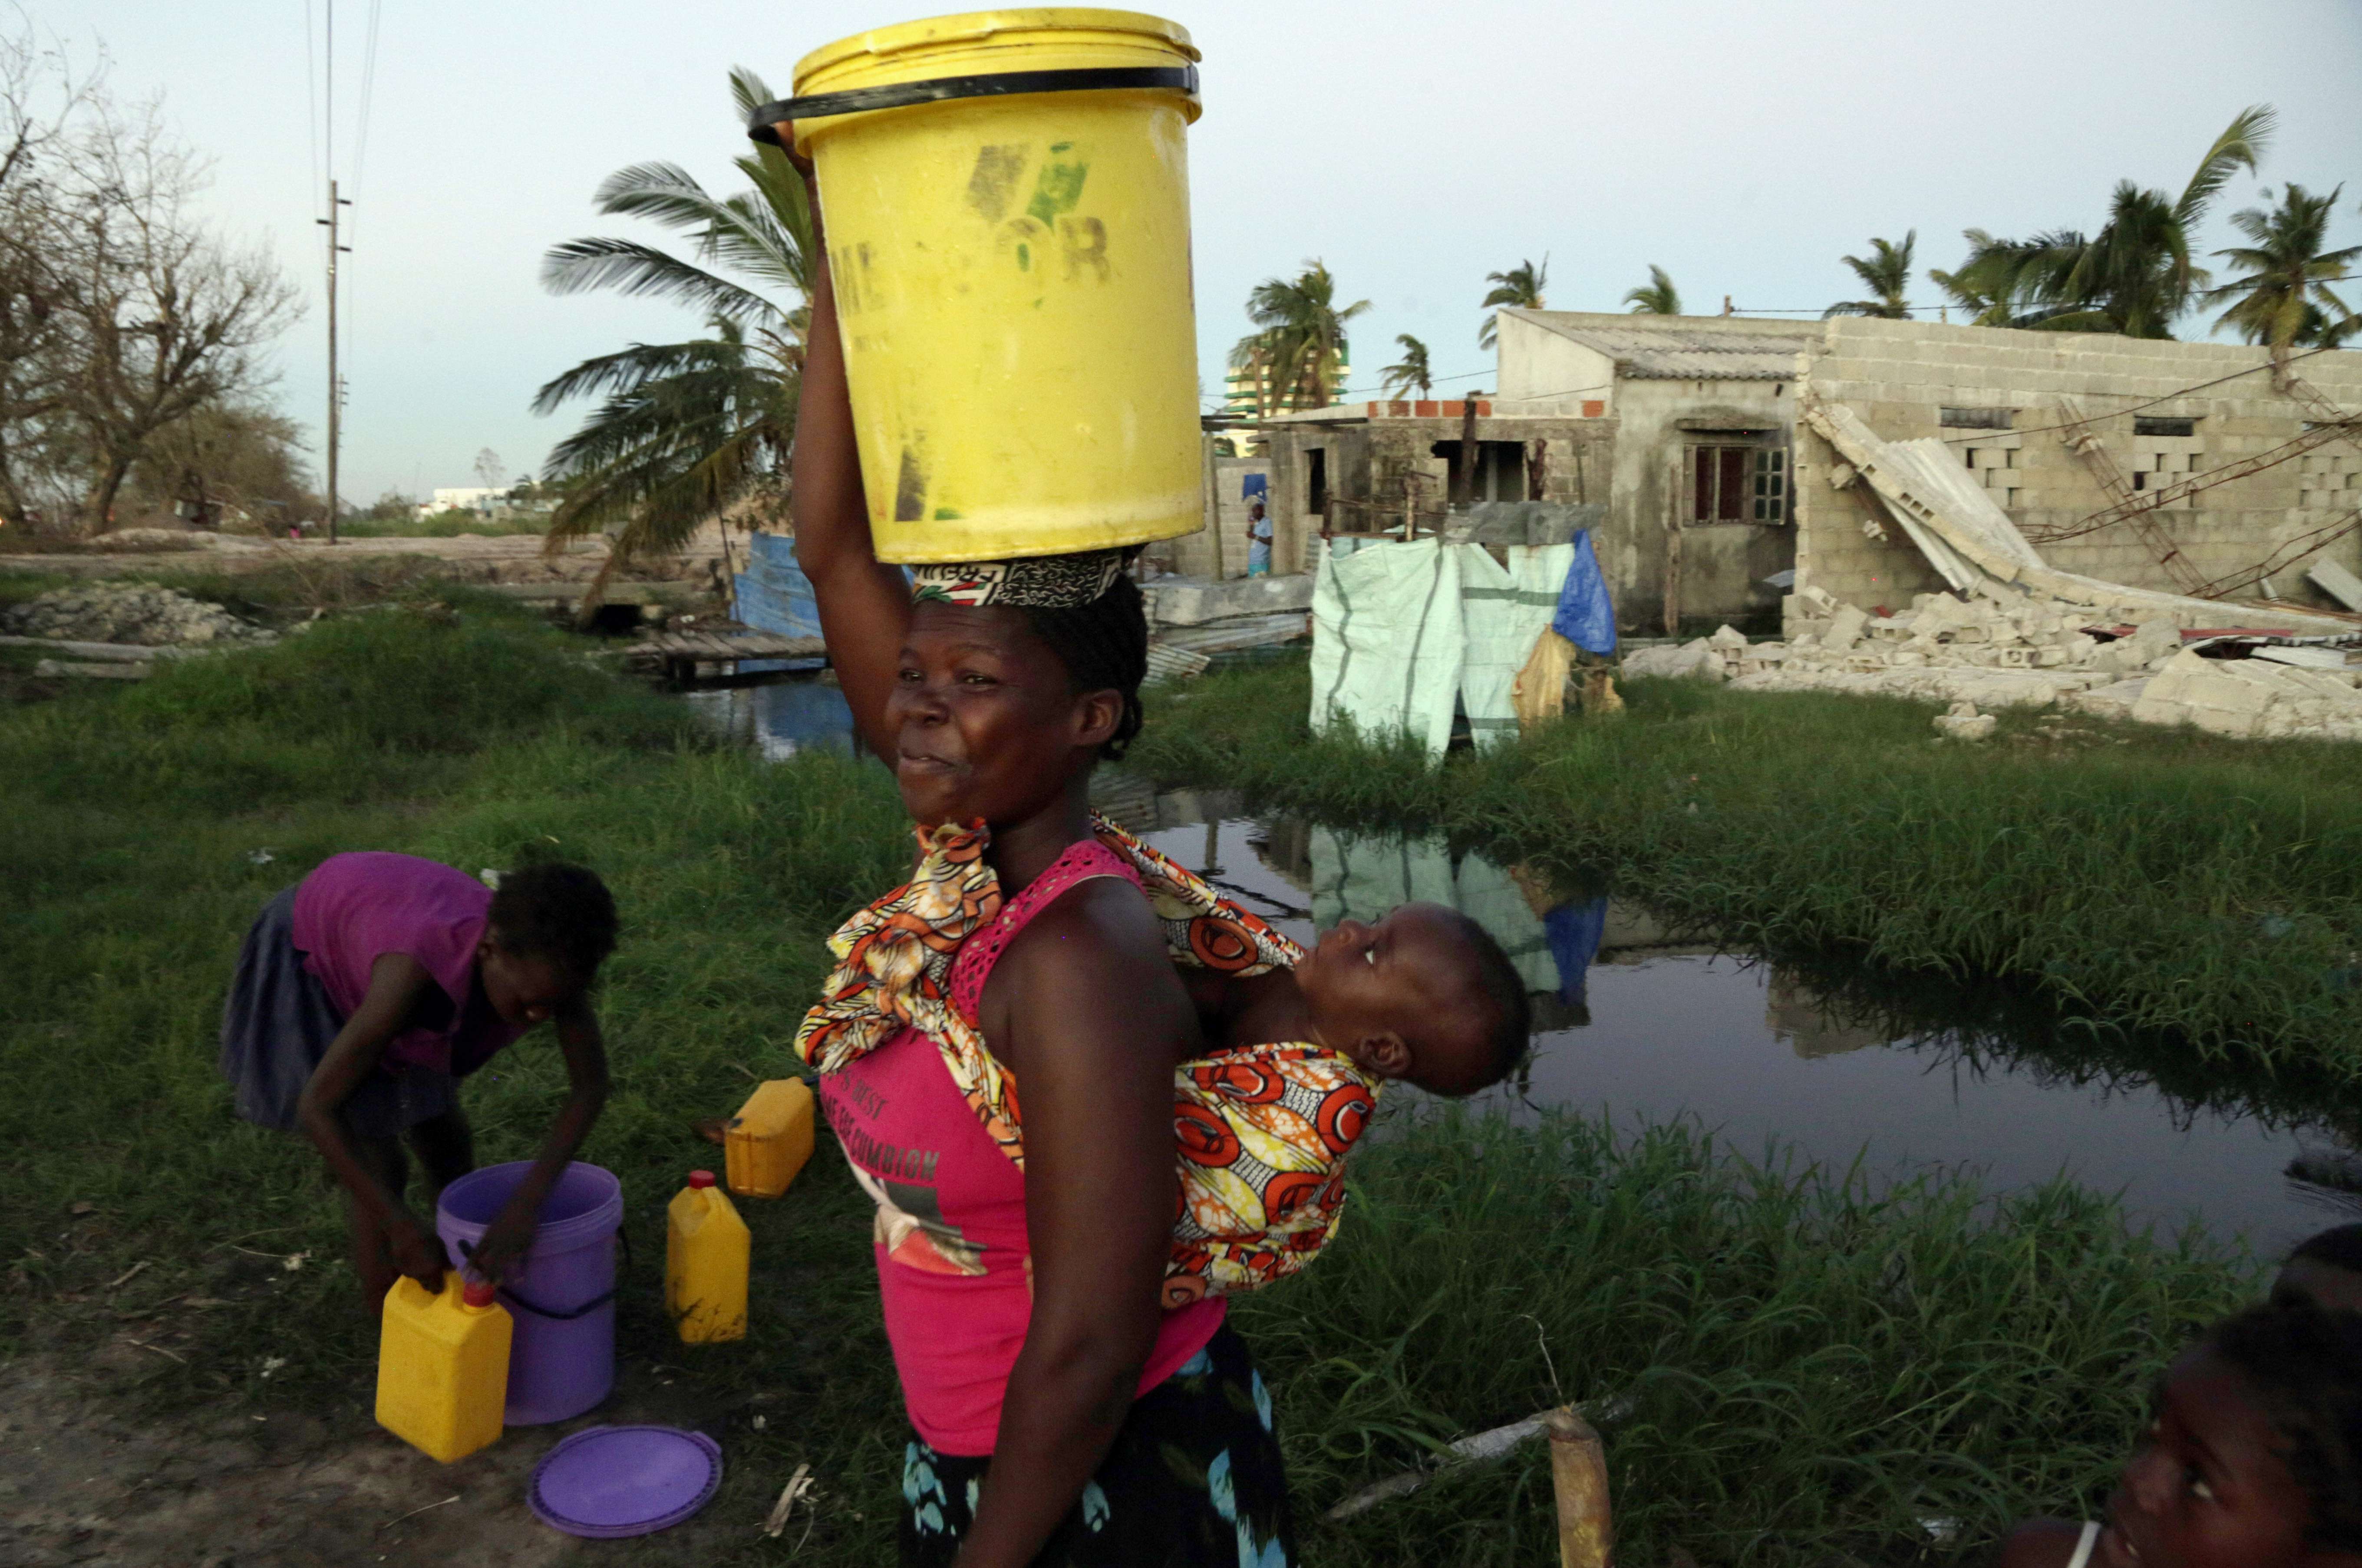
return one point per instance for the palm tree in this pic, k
(1520, 286)
(1303, 331)
(2134, 276)
(1411, 371)
(1658, 298)
(1887, 275)
(2285, 298)
(687, 428)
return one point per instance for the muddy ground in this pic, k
(87, 1479)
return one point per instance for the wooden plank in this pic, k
(128, 653)
(722, 647)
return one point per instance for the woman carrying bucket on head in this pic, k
(1021, 1254)
(364, 993)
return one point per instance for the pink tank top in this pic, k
(954, 1269)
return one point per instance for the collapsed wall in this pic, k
(2012, 631)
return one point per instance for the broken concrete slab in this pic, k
(2337, 582)
(2113, 701)
(1193, 601)
(1696, 657)
(1962, 721)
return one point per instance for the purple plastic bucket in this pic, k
(562, 1356)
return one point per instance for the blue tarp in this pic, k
(1585, 616)
(1254, 485)
(774, 595)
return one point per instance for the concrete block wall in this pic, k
(1898, 375)
(1226, 509)
(1366, 459)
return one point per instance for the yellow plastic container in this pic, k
(443, 1366)
(706, 1250)
(1013, 285)
(768, 1141)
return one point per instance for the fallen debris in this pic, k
(58, 669)
(1963, 723)
(799, 1486)
(128, 613)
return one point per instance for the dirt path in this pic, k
(86, 1481)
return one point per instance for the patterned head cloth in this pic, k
(1038, 582)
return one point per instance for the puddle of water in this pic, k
(779, 718)
(1631, 1019)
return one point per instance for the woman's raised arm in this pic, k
(865, 606)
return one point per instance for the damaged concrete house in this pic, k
(1885, 464)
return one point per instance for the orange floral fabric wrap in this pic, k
(1262, 1131)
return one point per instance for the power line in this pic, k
(369, 97)
(310, 97)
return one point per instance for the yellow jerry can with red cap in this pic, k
(707, 1251)
(443, 1365)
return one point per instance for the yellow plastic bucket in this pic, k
(1011, 259)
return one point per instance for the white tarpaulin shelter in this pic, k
(1404, 635)
(1382, 655)
(1502, 612)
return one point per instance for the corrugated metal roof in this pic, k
(1685, 349)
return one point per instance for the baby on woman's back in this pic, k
(1424, 995)
(1293, 1057)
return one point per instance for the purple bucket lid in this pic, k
(606, 1482)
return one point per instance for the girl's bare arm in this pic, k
(396, 981)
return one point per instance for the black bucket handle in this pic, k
(903, 95)
(468, 1250)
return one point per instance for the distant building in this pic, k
(464, 498)
(1252, 393)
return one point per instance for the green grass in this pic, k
(1811, 1367)
(2142, 879)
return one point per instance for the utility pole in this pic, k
(335, 385)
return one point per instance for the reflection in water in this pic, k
(780, 718)
(1840, 1063)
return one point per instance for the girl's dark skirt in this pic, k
(278, 1023)
(1194, 1478)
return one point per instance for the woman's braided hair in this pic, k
(1103, 645)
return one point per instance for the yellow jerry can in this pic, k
(443, 1365)
(769, 1139)
(706, 1253)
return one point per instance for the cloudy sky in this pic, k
(1413, 147)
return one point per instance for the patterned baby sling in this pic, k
(1263, 1129)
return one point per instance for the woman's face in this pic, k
(2210, 1487)
(987, 723)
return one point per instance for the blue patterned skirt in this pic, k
(277, 1023)
(1194, 1480)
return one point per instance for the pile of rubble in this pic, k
(128, 613)
(1999, 648)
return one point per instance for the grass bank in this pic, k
(1804, 1369)
(2141, 880)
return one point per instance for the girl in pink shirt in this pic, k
(364, 993)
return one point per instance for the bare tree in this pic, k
(120, 313)
(42, 99)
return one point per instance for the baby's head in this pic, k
(1424, 995)
(548, 930)
(2325, 1270)
(2255, 1455)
